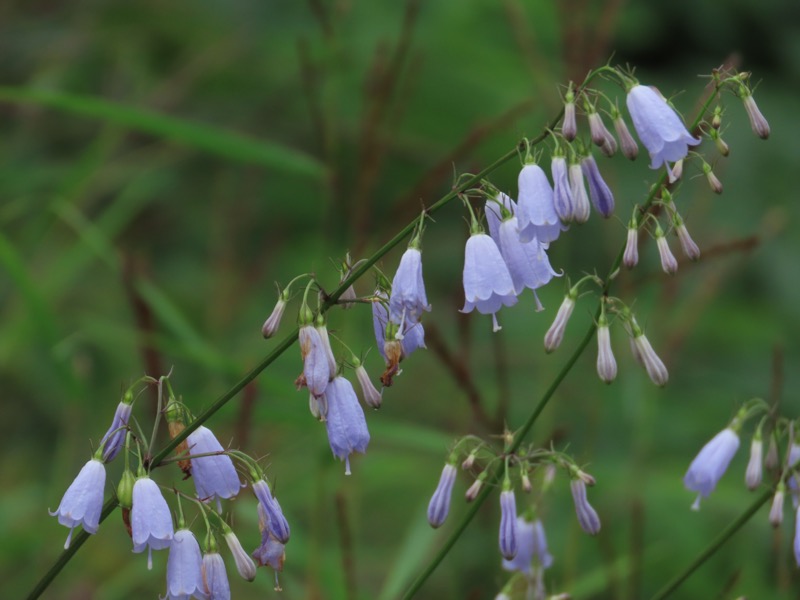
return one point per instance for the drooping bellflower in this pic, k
(487, 283)
(531, 546)
(346, 425)
(184, 567)
(83, 500)
(536, 212)
(316, 366)
(215, 577)
(278, 524)
(508, 524)
(412, 334)
(151, 521)
(271, 552)
(408, 299)
(659, 127)
(645, 355)
(527, 263)
(439, 506)
(214, 476)
(710, 464)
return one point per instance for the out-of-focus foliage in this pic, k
(163, 163)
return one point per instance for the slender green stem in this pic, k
(548, 394)
(713, 546)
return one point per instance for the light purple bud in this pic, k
(562, 194)
(629, 148)
(710, 464)
(372, 397)
(215, 577)
(487, 283)
(754, 471)
(677, 170)
(184, 567)
(597, 129)
(114, 439)
(606, 363)
(579, 195)
(346, 425)
(647, 357)
(713, 181)
(599, 192)
(316, 365)
(758, 123)
(776, 510)
(278, 525)
(569, 127)
(408, 299)
(473, 490)
(536, 212)
(527, 263)
(244, 564)
(688, 246)
(587, 516)
(83, 500)
(668, 261)
(214, 476)
(508, 524)
(151, 521)
(272, 323)
(659, 127)
(631, 255)
(439, 506)
(554, 335)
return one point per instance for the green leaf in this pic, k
(228, 144)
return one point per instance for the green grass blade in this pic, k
(228, 144)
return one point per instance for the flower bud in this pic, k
(562, 194)
(606, 364)
(758, 123)
(272, 323)
(125, 489)
(713, 182)
(587, 516)
(555, 334)
(526, 483)
(569, 126)
(668, 261)
(508, 524)
(597, 129)
(677, 170)
(631, 255)
(754, 471)
(439, 506)
(372, 397)
(644, 354)
(473, 490)
(771, 462)
(688, 246)
(244, 564)
(468, 462)
(579, 195)
(776, 510)
(630, 149)
(722, 146)
(716, 120)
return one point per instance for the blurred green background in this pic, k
(132, 243)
